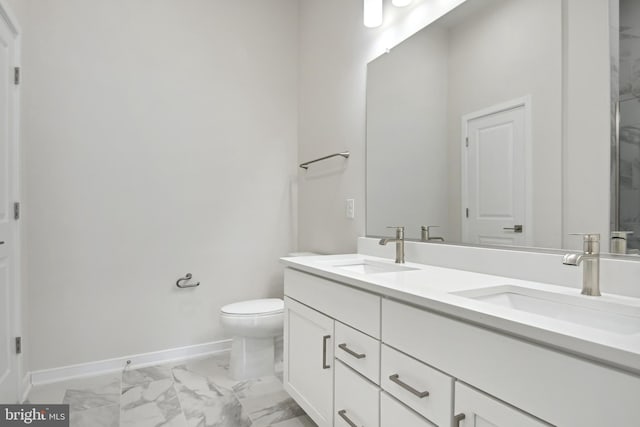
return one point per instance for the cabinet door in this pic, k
(308, 360)
(480, 410)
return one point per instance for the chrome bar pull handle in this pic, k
(459, 418)
(324, 351)
(516, 228)
(396, 379)
(343, 415)
(351, 352)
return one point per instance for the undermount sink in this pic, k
(582, 310)
(371, 267)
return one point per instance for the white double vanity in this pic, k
(371, 343)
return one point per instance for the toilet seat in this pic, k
(258, 318)
(254, 308)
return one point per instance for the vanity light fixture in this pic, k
(400, 3)
(372, 13)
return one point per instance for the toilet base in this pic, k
(251, 358)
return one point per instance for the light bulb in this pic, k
(400, 3)
(372, 13)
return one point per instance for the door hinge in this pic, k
(467, 212)
(467, 141)
(16, 211)
(16, 75)
(18, 345)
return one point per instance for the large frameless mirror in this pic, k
(464, 128)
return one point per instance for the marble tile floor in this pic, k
(193, 393)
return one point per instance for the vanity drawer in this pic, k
(394, 414)
(358, 350)
(353, 307)
(424, 389)
(356, 399)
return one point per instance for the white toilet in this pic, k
(254, 326)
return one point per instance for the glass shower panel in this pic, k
(629, 203)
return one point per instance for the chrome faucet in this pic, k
(399, 243)
(425, 235)
(591, 267)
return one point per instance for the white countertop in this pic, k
(431, 288)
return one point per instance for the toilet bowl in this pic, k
(253, 325)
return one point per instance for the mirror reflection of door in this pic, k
(495, 195)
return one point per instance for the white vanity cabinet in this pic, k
(308, 360)
(356, 358)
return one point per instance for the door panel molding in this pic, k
(524, 103)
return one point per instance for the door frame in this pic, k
(7, 15)
(522, 102)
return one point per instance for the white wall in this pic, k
(406, 136)
(160, 139)
(586, 152)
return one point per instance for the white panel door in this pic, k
(495, 189)
(8, 229)
(476, 409)
(308, 360)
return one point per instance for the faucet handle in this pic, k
(399, 231)
(590, 242)
(429, 227)
(591, 237)
(620, 234)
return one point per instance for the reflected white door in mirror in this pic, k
(495, 175)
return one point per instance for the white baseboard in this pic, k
(25, 386)
(99, 367)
